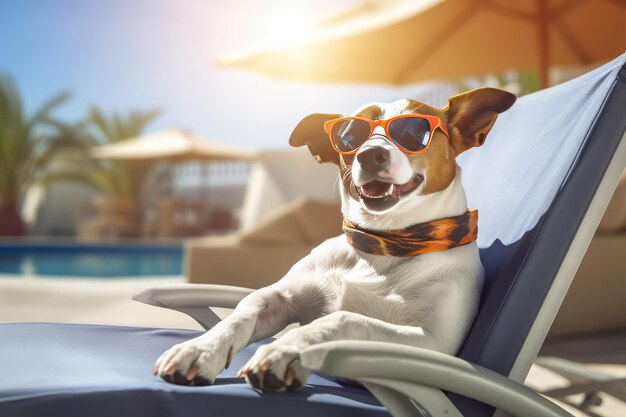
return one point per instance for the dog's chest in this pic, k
(389, 290)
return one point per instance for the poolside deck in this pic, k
(94, 301)
(28, 299)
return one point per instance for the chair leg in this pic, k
(584, 381)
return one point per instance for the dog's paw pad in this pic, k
(271, 382)
(296, 385)
(264, 380)
(268, 381)
(253, 378)
(201, 381)
(176, 378)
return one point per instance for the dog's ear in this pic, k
(310, 132)
(471, 115)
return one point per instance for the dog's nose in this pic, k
(373, 158)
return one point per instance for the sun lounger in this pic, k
(258, 256)
(541, 184)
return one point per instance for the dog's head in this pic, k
(380, 178)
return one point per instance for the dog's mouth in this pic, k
(380, 195)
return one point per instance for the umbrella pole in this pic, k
(542, 30)
(206, 174)
(205, 183)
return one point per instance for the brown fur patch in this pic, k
(372, 112)
(345, 172)
(473, 112)
(438, 162)
(471, 115)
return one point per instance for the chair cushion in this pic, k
(530, 152)
(303, 221)
(533, 183)
(91, 370)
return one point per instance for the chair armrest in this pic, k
(401, 368)
(194, 299)
(192, 295)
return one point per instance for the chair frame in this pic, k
(410, 381)
(407, 380)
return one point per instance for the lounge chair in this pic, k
(541, 184)
(290, 206)
(255, 257)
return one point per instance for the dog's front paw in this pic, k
(275, 367)
(194, 362)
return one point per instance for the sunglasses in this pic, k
(411, 133)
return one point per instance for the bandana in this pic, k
(433, 236)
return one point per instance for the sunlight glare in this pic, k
(287, 25)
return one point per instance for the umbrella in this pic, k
(398, 42)
(171, 145)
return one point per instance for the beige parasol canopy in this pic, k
(404, 41)
(171, 144)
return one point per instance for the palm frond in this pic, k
(68, 176)
(23, 140)
(43, 149)
(100, 125)
(42, 115)
(115, 127)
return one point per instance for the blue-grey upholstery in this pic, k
(102, 371)
(552, 148)
(532, 183)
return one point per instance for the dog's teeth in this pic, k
(372, 193)
(387, 194)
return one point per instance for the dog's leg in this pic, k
(265, 312)
(280, 359)
(197, 361)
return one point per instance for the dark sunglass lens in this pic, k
(348, 135)
(411, 133)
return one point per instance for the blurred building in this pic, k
(278, 177)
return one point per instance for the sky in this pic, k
(122, 55)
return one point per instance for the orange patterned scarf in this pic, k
(433, 236)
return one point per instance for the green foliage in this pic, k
(27, 143)
(115, 127)
(113, 178)
(529, 82)
(520, 83)
(38, 148)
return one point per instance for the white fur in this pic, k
(400, 168)
(339, 293)
(411, 210)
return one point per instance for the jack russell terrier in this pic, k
(406, 270)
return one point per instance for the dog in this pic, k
(407, 268)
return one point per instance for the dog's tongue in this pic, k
(376, 189)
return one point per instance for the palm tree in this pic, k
(119, 183)
(113, 178)
(27, 146)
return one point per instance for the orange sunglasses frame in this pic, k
(433, 121)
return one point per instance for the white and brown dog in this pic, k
(407, 269)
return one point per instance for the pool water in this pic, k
(91, 260)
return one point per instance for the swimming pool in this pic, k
(71, 259)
